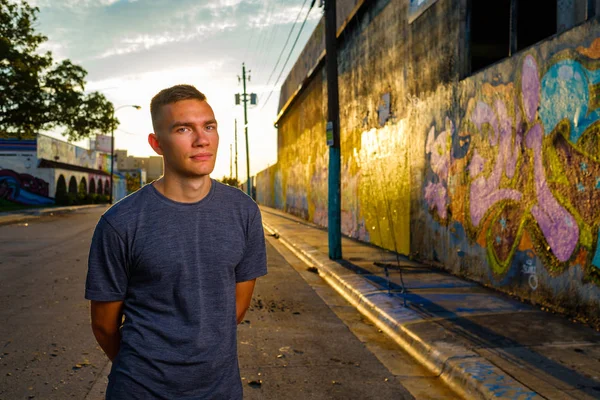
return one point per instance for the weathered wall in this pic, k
(20, 179)
(496, 176)
(314, 50)
(511, 192)
(24, 180)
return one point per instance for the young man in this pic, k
(178, 259)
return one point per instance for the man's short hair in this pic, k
(172, 95)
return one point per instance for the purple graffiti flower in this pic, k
(485, 191)
(476, 165)
(530, 87)
(439, 148)
(436, 196)
(557, 224)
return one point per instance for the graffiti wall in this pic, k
(21, 181)
(513, 176)
(23, 188)
(495, 177)
(32, 171)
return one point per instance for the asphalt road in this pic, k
(300, 339)
(46, 345)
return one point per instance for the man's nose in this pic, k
(201, 139)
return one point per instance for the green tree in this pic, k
(133, 183)
(38, 93)
(231, 181)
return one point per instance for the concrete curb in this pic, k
(465, 371)
(98, 389)
(26, 215)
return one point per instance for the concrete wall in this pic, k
(23, 181)
(496, 177)
(52, 149)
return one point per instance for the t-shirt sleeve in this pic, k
(254, 261)
(107, 265)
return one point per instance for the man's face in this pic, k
(187, 138)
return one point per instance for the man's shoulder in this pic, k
(122, 211)
(234, 195)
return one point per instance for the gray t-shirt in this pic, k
(175, 266)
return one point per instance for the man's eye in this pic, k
(182, 129)
(211, 127)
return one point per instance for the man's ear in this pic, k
(154, 143)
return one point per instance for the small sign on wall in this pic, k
(418, 7)
(329, 133)
(103, 143)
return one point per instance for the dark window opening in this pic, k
(73, 185)
(536, 20)
(492, 35)
(83, 186)
(490, 32)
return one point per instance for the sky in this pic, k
(132, 49)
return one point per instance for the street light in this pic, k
(112, 149)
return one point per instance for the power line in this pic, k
(264, 6)
(288, 39)
(259, 49)
(129, 133)
(290, 53)
(249, 41)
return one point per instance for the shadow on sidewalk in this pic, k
(476, 336)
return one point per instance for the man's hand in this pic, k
(243, 296)
(107, 317)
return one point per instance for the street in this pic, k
(48, 350)
(299, 340)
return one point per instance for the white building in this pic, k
(33, 172)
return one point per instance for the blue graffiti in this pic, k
(566, 95)
(12, 190)
(596, 260)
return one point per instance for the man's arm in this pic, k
(243, 296)
(107, 317)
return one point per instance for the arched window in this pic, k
(61, 187)
(107, 187)
(73, 185)
(99, 191)
(92, 185)
(83, 186)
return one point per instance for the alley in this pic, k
(299, 340)
(302, 340)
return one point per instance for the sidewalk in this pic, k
(484, 344)
(14, 217)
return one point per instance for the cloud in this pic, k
(91, 29)
(147, 41)
(133, 49)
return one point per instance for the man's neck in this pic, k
(184, 190)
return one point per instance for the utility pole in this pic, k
(230, 161)
(236, 152)
(252, 99)
(333, 134)
(248, 185)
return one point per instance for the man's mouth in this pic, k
(201, 156)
